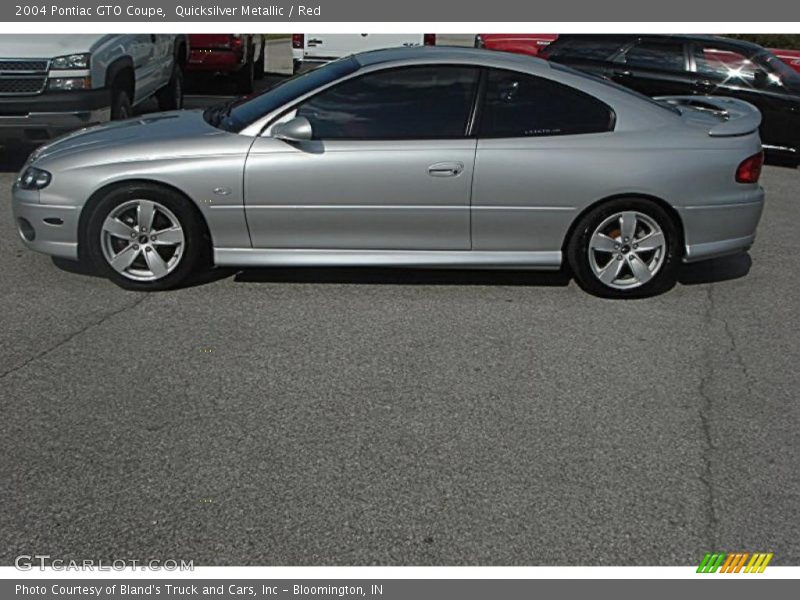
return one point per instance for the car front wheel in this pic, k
(144, 237)
(625, 248)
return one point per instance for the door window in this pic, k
(657, 56)
(429, 102)
(724, 64)
(519, 105)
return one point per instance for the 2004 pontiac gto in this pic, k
(416, 157)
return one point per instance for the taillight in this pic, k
(750, 169)
(298, 40)
(235, 42)
(429, 39)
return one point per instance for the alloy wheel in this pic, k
(627, 249)
(142, 240)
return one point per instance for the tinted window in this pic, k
(246, 110)
(660, 56)
(406, 103)
(583, 49)
(728, 65)
(518, 105)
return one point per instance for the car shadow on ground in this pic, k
(710, 271)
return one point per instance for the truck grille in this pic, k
(21, 76)
(22, 65)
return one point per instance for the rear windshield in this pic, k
(244, 111)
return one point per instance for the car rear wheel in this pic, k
(144, 237)
(625, 248)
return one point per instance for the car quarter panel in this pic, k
(527, 192)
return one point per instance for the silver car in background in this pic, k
(420, 157)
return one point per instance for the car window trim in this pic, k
(280, 113)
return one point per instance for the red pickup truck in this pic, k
(533, 43)
(521, 43)
(240, 56)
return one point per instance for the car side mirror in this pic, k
(293, 130)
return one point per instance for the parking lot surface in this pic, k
(378, 416)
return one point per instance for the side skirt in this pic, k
(444, 259)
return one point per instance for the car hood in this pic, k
(46, 46)
(151, 136)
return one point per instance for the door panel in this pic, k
(347, 194)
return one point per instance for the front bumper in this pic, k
(45, 116)
(45, 228)
(715, 230)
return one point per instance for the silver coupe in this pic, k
(412, 157)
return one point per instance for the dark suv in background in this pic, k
(660, 65)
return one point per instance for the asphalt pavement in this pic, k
(403, 417)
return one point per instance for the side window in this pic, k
(725, 64)
(518, 105)
(658, 56)
(430, 102)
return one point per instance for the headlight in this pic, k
(34, 179)
(62, 84)
(71, 61)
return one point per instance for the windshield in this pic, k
(235, 115)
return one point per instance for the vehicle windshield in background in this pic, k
(237, 114)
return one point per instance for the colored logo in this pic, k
(735, 562)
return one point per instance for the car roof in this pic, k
(456, 54)
(742, 45)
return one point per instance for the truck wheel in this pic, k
(144, 237)
(170, 97)
(261, 63)
(120, 105)
(245, 78)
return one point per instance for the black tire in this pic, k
(578, 245)
(170, 97)
(195, 251)
(245, 78)
(120, 104)
(260, 63)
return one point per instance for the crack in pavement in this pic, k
(72, 336)
(706, 408)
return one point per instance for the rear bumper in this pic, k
(45, 228)
(45, 116)
(215, 61)
(717, 230)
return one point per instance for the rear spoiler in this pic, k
(740, 117)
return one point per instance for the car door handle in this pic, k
(622, 74)
(446, 169)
